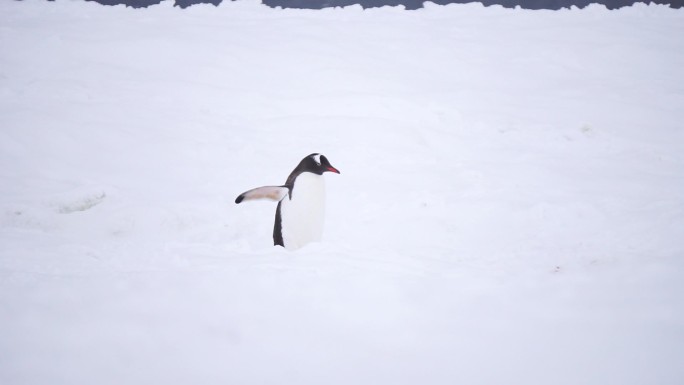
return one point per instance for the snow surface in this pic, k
(510, 208)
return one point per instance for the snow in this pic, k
(510, 208)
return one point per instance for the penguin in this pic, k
(301, 202)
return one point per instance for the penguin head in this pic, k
(317, 164)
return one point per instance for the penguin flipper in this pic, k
(274, 193)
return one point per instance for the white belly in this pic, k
(302, 216)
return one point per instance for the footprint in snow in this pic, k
(82, 203)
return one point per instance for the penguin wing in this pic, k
(274, 193)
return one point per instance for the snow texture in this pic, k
(511, 208)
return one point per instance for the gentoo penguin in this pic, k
(301, 203)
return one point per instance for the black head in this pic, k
(314, 163)
(317, 164)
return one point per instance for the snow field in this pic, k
(510, 206)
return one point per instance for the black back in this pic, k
(278, 229)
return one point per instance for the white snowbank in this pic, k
(510, 207)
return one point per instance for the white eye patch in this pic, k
(317, 159)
